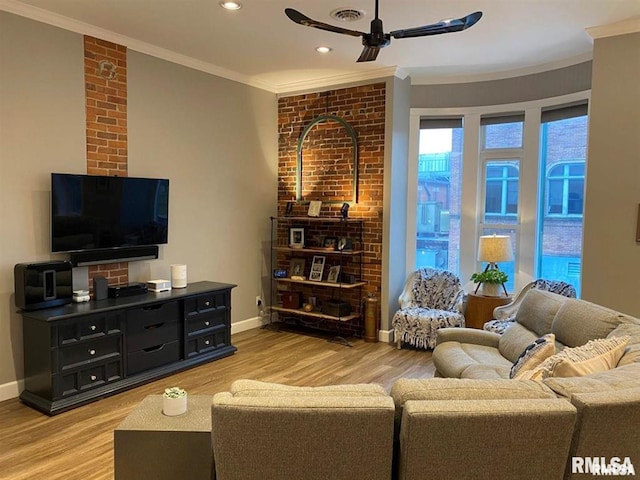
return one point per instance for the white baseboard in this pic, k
(244, 325)
(11, 390)
(385, 336)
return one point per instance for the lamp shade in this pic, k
(495, 248)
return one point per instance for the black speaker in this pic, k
(42, 284)
(100, 288)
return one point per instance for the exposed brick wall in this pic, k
(106, 125)
(327, 172)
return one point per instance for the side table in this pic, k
(480, 309)
(149, 444)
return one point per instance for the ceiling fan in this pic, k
(377, 39)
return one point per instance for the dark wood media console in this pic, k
(80, 352)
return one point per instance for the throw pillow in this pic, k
(593, 357)
(533, 355)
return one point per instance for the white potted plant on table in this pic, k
(174, 401)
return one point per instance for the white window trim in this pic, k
(527, 238)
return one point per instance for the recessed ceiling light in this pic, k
(231, 5)
(323, 49)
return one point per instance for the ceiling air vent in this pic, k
(347, 14)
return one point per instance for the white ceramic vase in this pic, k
(174, 406)
(491, 289)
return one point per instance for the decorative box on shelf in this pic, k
(336, 308)
(291, 300)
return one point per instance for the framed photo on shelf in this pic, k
(314, 208)
(344, 243)
(330, 243)
(317, 267)
(334, 274)
(296, 237)
(296, 267)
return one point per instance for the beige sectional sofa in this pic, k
(607, 402)
(441, 430)
(477, 424)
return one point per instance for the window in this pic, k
(438, 196)
(565, 189)
(501, 189)
(524, 170)
(563, 151)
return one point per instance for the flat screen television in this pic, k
(91, 212)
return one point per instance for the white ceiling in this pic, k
(260, 46)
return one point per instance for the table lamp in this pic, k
(493, 249)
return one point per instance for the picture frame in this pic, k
(314, 208)
(317, 267)
(334, 274)
(296, 267)
(289, 209)
(344, 243)
(296, 237)
(330, 243)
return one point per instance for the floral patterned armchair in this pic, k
(431, 299)
(505, 315)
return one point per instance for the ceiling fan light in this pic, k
(323, 49)
(231, 5)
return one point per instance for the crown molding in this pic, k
(284, 89)
(623, 27)
(424, 79)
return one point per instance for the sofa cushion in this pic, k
(538, 310)
(487, 372)
(451, 359)
(579, 321)
(514, 340)
(620, 378)
(255, 388)
(593, 357)
(632, 352)
(533, 355)
(465, 389)
(406, 389)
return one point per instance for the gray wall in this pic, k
(611, 259)
(394, 242)
(553, 83)
(216, 140)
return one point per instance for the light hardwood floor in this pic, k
(79, 444)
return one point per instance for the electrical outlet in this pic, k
(258, 301)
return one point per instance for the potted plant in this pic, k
(174, 401)
(491, 280)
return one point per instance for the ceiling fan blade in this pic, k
(449, 26)
(302, 19)
(369, 54)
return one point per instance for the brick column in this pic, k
(105, 76)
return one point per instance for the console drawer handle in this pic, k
(153, 307)
(207, 342)
(153, 349)
(206, 324)
(207, 303)
(93, 378)
(92, 351)
(93, 327)
(155, 325)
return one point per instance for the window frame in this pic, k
(566, 179)
(527, 237)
